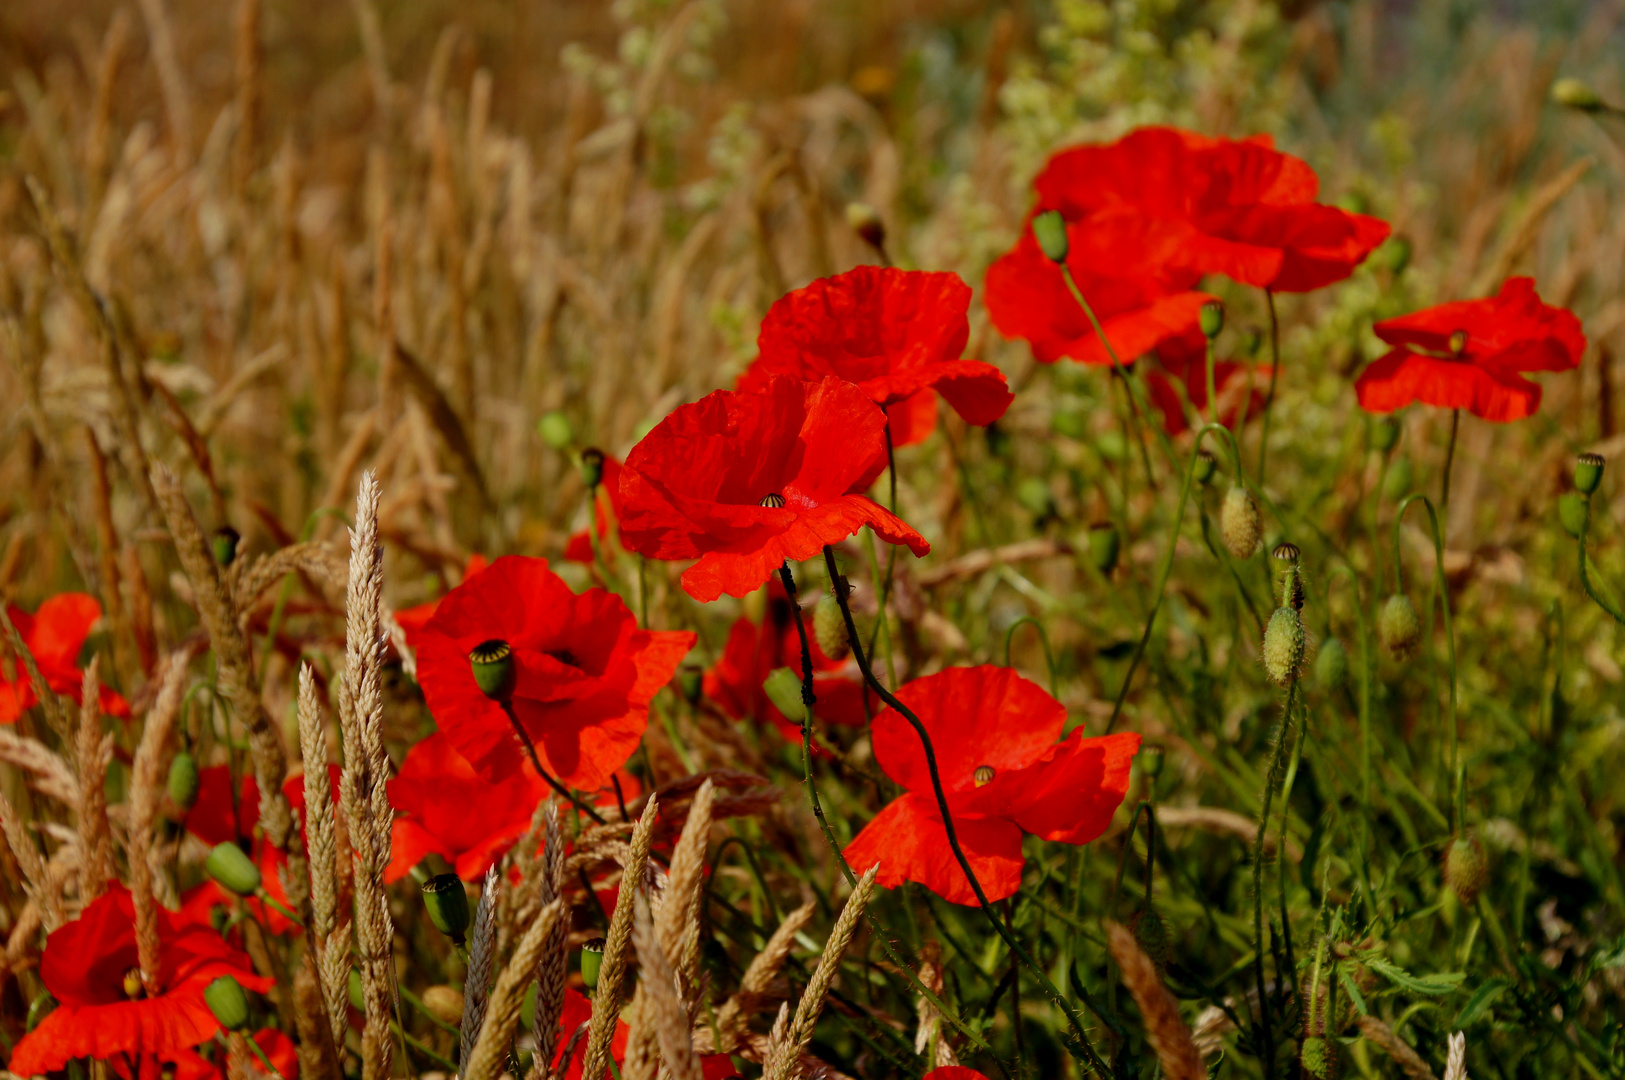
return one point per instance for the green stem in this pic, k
(1271, 777)
(1049, 657)
(1117, 369)
(536, 763)
(1449, 460)
(1212, 392)
(1442, 588)
(1269, 396)
(1585, 578)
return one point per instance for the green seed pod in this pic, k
(592, 466)
(1397, 484)
(1104, 547)
(358, 996)
(829, 625)
(1322, 1058)
(1034, 496)
(1240, 524)
(233, 869)
(183, 782)
(555, 429)
(446, 1003)
(783, 689)
(447, 902)
(1212, 318)
(1284, 646)
(1384, 434)
(1572, 508)
(495, 672)
(1206, 465)
(228, 1001)
(691, 681)
(224, 542)
(1252, 340)
(864, 220)
(42, 1006)
(1587, 473)
(1151, 760)
(1395, 254)
(1465, 868)
(1151, 932)
(1574, 94)
(1332, 664)
(1049, 229)
(592, 957)
(1398, 627)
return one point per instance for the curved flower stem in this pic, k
(891, 466)
(1585, 578)
(1078, 1044)
(1272, 777)
(1168, 560)
(1117, 369)
(1376, 520)
(536, 763)
(1442, 588)
(1449, 460)
(1212, 392)
(1043, 636)
(1269, 396)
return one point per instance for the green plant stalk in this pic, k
(1117, 369)
(1079, 1044)
(1585, 578)
(1269, 395)
(1272, 776)
(1442, 588)
(882, 629)
(1212, 391)
(1043, 636)
(536, 762)
(1449, 460)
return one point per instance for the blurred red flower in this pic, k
(898, 334)
(576, 1012)
(734, 684)
(586, 673)
(695, 487)
(1183, 365)
(986, 720)
(1472, 355)
(579, 547)
(85, 967)
(277, 1047)
(954, 1072)
(413, 619)
(445, 807)
(54, 634)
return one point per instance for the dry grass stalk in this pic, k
(759, 976)
(928, 1032)
(1408, 1060)
(1455, 1065)
(1167, 1031)
(49, 705)
(52, 776)
(502, 1011)
(27, 853)
(552, 964)
(612, 970)
(107, 543)
(678, 920)
(146, 789)
(177, 104)
(785, 1062)
(366, 771)
(481, 955)
(663, 1000)
(323, 851)
(318, 1056)
(94, 752)
(248, 90)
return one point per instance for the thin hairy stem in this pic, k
(536, 763)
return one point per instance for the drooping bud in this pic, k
(183, 782)
(1332, 664)
(783, 688)
(133, 986)
(1151, 931)
(1574, 94)
(1588, 472)
(555, 429)
(224, 542)
(446, 1003)
(984, 775)
(1321, 1058)
(1284, 646)
(447, 902)
(229, 1003)
(1049, 229)
(1206, 465)
(1240, 524)
(691, 681)
(42, 1006)
(1398, 627)
(1212, 318)
(829, 626)
(592, 466)
(1572, 508)
(233, 869)
(1384, 434)
(864, 220)
(1465, 868)
(1104, 547)
(592, 957)
(495, 672)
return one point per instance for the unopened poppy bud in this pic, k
(1572, 508)
(829, 626)
(783, 688)
(445, 1003)
(1049, 229)
(1395, 254)
(1398, 627)
(134, 986)
(1384, 434)
(864, 220)
(1332, 664)
(357, 994)
(447, 902)
(555, 429)
(592, 958)
(1206, 465)
(1574, 94)
(691, 681)
(1252, 339)
(224, 541)
(1321, 1058)
(1151, 760)
(592, 466)
(228, 1001)
(984, 775)
(1151, 932)
(42, 1006)
(1465, 868)
(233, 869)
(1588, 473)
(1240, 523)
(183, 782)
(1104, 547)
(1284, 646)
(1212, 318)
(495, 672)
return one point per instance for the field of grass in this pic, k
(258, 257)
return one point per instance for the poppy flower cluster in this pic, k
(583, 673)
(54, 634)
(745, 481)
(90, 966)
(1005, 771)
(1181, 376)
(1473, 355)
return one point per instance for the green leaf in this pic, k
(1418, 984)
(1479, 1004)
(1352, 991)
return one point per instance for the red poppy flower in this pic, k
(54, 634)
(579, 547)
(954, 1072)
(989, 721)
(414, 619)
(277, 1047)
(695, 487)
(576, 1012)
(445, 807)
(84, 968)
(898, 334)
(1239, 208)
(586, 673)
(1472, 355)
(751, 654)
(1183, 360)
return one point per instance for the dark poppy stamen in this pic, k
(494, 670)
(1458, 343)
(134, 987)
(773, 501)
(984, 775)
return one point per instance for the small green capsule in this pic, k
(1588, 473)
(864, 220)
(447, 902)
(183, 782)
(1104, 547)
(1049, 229)
(592, 958)
(592, 466)
(555, 429)
(1574, 94)
(783, 688)
(1332, 665)
(228, 1001)
(224, 542)
(829, 626)
(1212, 318)
(1206, 465)
(1151, 932)
(1572, 508)
(1398, 627)
(1398, 482)
(1384, 434)
(233, 869)
(495, 672)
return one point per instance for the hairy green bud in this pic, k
(1285, 644)
(555, 429)
(1332, 664)
(783, 689)
(183, 782)
(1151, 931)
(1466, 870)
(1240, 524)
(1398, 627)
(1321, 1058)
(228, 1001)
(1572, 508)
(829, 626)
(233, 869)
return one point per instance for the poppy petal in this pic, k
(909, 842)
(1401, 377)
(913, 419)
(1072, 795)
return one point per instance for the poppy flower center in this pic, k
(1458, 342)
(772, 501)
(984, 775)
(134, 988)
(563, 656)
